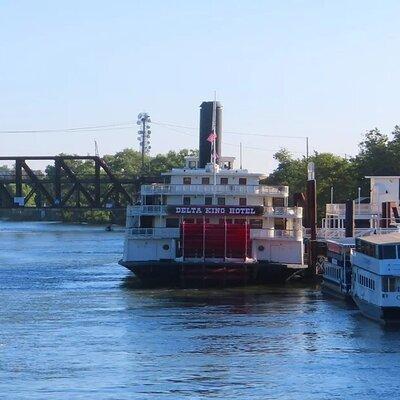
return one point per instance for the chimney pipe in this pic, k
(206, 117)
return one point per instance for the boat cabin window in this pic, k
(208, 200)
(224, 181)
(389, 284)
(221, 201)
(172, 223)
(205, 180)
(242, 201)
(369, 249)
(187, 180)
(186, 200)
(256, 223)
(242, 181)
(278, 202)
(192, 164)
(387, 252)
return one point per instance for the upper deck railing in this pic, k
(171, 233)
(281, 191)
(359, 209)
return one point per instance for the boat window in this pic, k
(242, 201)
(205, 180)
(172, 222)
(221, 201)
(242, 181)
(278, 202)
(187, 180)
(256, 223)
(389, 284)
(186, 200)
(224, 181)
(387, 252)
(208, 200)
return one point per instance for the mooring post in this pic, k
(349, 218)
(312, 219)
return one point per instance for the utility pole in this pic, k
(144, 135)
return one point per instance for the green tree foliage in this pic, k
(331, 171)
(378, 155)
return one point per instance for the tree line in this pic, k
(378, 154)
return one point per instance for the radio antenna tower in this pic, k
(144, 134)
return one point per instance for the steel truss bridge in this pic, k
(65, 188)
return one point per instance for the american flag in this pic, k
(212, 137)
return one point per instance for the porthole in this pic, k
(166, 247)
(261, 248)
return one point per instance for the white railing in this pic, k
(169, 233)
(276, 233)
(284, 212)
(333, 233)
(215, 189)
(144, 233)
(359, 209)
(146, 210)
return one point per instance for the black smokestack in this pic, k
(206, 116)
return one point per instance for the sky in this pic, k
(327, 70)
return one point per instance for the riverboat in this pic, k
(376, 277)
(376, 214)
(337, 269)
(211, 222)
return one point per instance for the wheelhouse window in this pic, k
(205, 180)
(387, 252)
(221, 201)
(187, 180)
(242, 181)
(224, 181)
(186, 200)
(208, 200)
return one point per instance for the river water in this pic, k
(73, 325)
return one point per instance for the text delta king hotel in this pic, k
(218, 210)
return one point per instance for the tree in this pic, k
(331, 171)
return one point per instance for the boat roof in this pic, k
(344, 242)
(388, 238)
(382, 176)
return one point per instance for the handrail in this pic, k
(211, 189)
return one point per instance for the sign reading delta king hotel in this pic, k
(215, 210)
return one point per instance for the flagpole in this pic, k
(214, 125)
